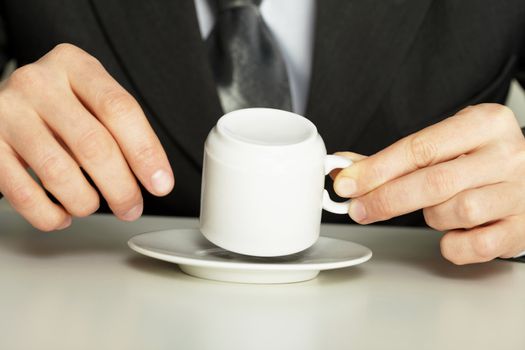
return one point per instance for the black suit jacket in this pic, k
(381, 68)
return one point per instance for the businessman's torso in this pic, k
(381, 69)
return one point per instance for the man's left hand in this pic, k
(467, 173)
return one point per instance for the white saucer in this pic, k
(198, 257)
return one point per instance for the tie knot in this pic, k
(229, 4)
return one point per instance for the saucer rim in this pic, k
(203, 262)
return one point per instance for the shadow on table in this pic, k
(165, 269)
(97, 234)
(152, 266)
(423, 252)
(48, 245)
(446, 269)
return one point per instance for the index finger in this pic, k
(121, 114)
(468, 130)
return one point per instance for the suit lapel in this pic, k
(160, 47)
(358, 46)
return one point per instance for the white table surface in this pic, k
(85, 289)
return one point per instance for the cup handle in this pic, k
(335, 162)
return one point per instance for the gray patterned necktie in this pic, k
(246, 61)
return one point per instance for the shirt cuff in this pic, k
(520, 255)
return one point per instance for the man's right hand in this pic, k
(63, 113)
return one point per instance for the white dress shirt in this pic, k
(291, 22)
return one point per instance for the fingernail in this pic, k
(134, 213)
(357, 211)
(162, 182)
(345, 186)
(66, 224)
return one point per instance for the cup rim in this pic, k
(223, 129)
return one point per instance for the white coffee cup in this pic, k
(263, 183)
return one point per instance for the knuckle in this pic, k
(117, 104)
(26, 77)
(485, 245)
(508, 158)
(440, 182)
(54, 169)
(95, 144)
(22, 196)
(65, 51)
(377, 171)
(146, 154)
(497, 117)
(421, 152)
(381, 205)
(69, 53)
(468, 212)
(506, 152)
(492, 110)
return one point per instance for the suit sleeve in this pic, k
(519, 259)
(5, 52)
